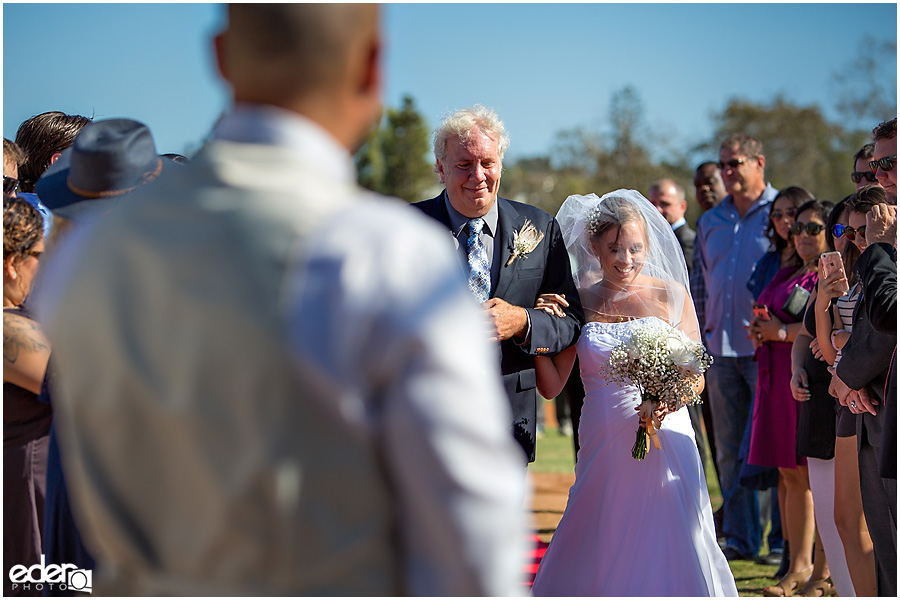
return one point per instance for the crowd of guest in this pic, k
(800, 399)
(780, 321)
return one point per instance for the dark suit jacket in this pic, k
(685, 236)
(866, 358)
(545, 270)
(878, 271)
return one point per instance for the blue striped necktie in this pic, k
(479, 273)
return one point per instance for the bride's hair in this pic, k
(614, 211)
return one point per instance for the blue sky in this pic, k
(545, 68)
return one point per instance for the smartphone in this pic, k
(831, 262)
(761, 312)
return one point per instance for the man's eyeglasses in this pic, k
(858, 176)
(849, 232)
(810, 228)
(887, 163)
(10, 185)
(777, 214)
(734, 163)
(37, 255)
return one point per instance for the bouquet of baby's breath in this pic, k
(664, 364)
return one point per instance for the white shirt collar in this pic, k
(679, 223)
(272, 126)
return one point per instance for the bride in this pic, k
(631, 528)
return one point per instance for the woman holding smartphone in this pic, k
(834, 311)
(816, 429)
(773, 441)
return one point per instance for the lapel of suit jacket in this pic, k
(437, 210)
(509, 221)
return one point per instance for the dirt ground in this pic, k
(551, 490)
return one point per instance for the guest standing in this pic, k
(266, 408)
(729, 241)
(709, 190)
(26, 421)
(782, 253)
(859, 382)
(773, 442)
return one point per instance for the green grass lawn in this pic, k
(556, 454)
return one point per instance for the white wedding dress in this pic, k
(632, 528)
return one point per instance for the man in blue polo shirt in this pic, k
(730, 239)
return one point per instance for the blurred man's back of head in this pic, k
(320, 60)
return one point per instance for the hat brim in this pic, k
(54, 192)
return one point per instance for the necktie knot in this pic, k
(475, 226)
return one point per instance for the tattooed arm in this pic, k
(25, 352)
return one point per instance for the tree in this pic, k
(867, 86)
(394, 160)
(370, 161)
(585, 161)
(800, 146)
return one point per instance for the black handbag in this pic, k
(795, 305)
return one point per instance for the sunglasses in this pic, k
(10, 185)
(777, 214)
(734, 163)
(810, 228)
(857, 176)
(849, 232)
(887, 163)
(37, 255)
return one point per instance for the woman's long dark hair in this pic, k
(798, 196)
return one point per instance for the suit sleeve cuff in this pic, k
(525, 344)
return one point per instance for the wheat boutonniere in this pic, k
(524, 241)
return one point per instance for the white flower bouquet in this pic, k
(664, 364)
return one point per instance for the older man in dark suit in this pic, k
(513, 252)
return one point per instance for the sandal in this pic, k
(819, 588)
(789, 584)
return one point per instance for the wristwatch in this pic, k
(782, 333)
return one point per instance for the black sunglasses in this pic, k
(37, 255)
(810, 228)
(857, 176)
(777, 214)
(734, 163)
(849, 232)
(887, 163)
(10, 185)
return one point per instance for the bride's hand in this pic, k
(551, 304)
(661, 411)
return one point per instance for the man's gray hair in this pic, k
(748, 145)
(462, 122)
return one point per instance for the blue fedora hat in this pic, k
(108, 159)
